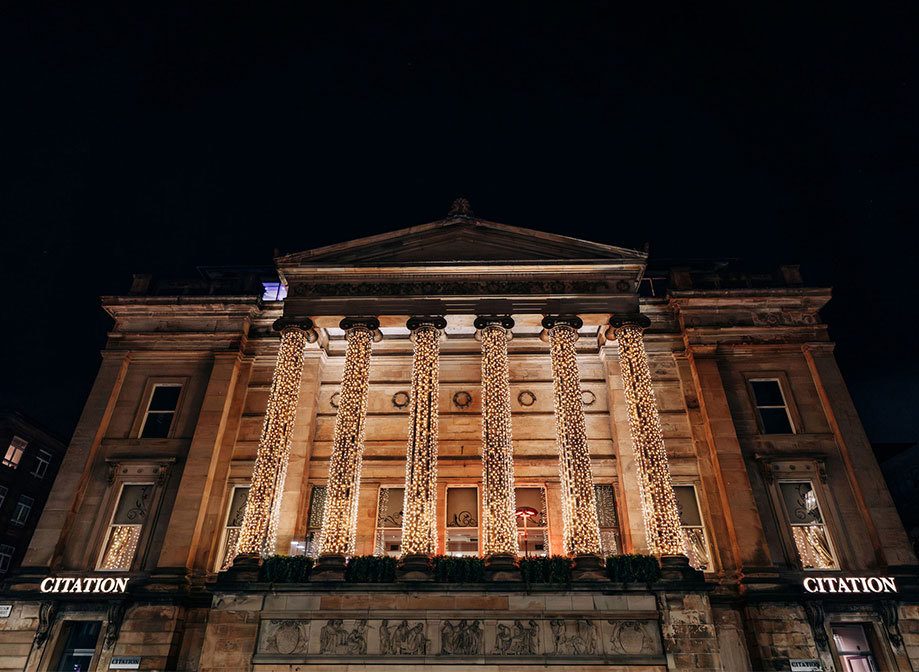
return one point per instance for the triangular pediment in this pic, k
(458, 240)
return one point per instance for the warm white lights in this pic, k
(263, 506)
(339, 520)
(499, 531)
(579, 504)
(419, 520)
(658, 500)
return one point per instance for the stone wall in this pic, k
(689, 632)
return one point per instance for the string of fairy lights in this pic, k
(658, 500)
(419, 520)
(579, 504)
(499, 524)
(339, 522)
(259, 531)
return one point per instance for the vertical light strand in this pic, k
(499, 530)
(259, 531)
(419, 519)
(339, 519)
(579, 501)
(658, 500)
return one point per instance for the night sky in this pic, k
(138, 138)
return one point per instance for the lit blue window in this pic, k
(274, 291)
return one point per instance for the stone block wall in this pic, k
(781, 631)
(16, 636)
(690, 640)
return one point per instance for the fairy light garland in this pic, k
(339, 520)
(658, 500)
(419, 519)
(259, 531)
(499, 531)
(579, 500)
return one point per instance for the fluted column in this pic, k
(259, 531)
(658, 500)
(579, 500)
(339, 520)
(419, 518)
(499, 528)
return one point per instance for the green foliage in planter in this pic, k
(633, 569)
(286, 569)
(462, 569)
(556, 569)
(371, 569)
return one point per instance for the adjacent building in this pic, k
(460, 388)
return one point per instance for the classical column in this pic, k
(499, 523)
(658, 500)
(260, 523)
(579, 500)
(419, 512)
(339, 520)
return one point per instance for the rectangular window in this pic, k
(532, 521)
(3, 492)
(462, 537)
(808, 529)
(771, 406)
(691, 526)
(161, 409)
(6, 557)
(608, 519)
(42, 460)
(314, 519)
(127, 523)
(22, 510)
(14, 452)
(851, 641)
(233, 524)
(78, 645)
(389, 521)
(273, 291)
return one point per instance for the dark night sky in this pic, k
(138, 138)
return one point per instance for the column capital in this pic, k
(549, 322)
(482, 322)
(620, 320)
(370, 323)
(419, 321)
(303, 324)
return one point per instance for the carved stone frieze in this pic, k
(460, 287)
(286, 636)
(405, 639)
(335, 639)
(513, 638)
(632, 638)
(461, 638)
(574, 637)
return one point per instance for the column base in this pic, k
(502, 567)
(676, 568)
(245, 569)
(588, 567)
(329, 567)
(415, 567)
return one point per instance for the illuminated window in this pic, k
(771, 406)
(161, 409)
(6, 557)
(22, 510)
(273, 291)
(127, 523)
(14, 452)
(314, 519)
(693, 530)
(532, 530)
(462, 520)
(234, 521)
(42, 460)
(77, 645)
(851, 641)
(608, 519)
(389, 522)
(808, 529)
(3, 492)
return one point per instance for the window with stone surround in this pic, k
(126, 526)
(233, 522)
(77, 645)
(22, 511)
(162, 403)
(6, 557)
(14, 452)
(532, 535)
(3, 493)
(42, 461)
(462, 525)
(693, 529)
(314, 515)
(853, 647)
(808, 527)
(608, 518)
(771, 405)
(388, 539)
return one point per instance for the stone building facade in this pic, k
(411, 393)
